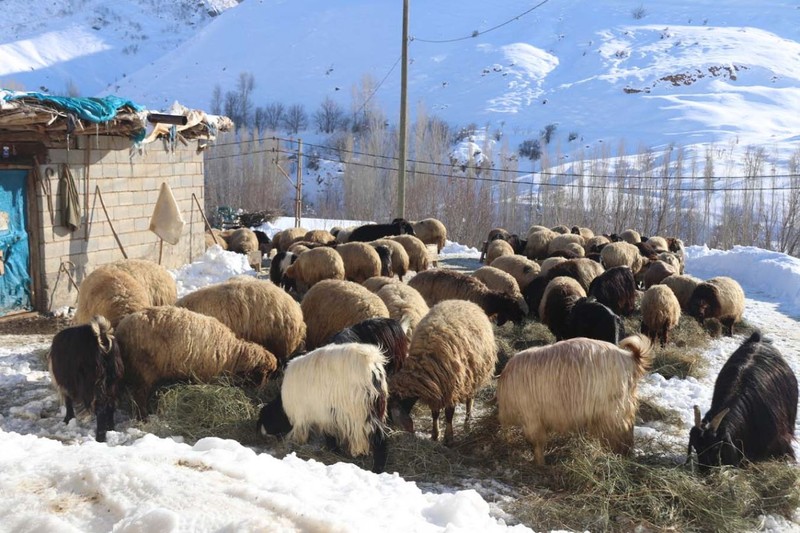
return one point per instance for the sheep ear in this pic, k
(717, 420)
(697, 418)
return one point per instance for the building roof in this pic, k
(31, 116)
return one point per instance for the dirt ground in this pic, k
(32, 324)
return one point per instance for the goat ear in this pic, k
(717, 420)
(697, 418)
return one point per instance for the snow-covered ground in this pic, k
(56, 478)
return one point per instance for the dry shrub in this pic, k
(198, 411)
(651, 412)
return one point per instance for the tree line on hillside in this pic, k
(728, 195)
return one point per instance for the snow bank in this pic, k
(281, 223)
(772, 275)
(454, 248)
(217, 485)
(214, 266)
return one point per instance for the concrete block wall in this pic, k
(129, 181)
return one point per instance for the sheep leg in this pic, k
(331, 443)
(469, 410)
(435, 426)
(105, 421)
(70, 410)
(380, 451)
(448, 428)
(728, 324)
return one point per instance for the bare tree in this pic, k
(274, 114)
(330, 116)
(295, 119)
(216, 100)
(244, 88)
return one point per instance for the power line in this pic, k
(508, 171)
(478, 33)
(364, 105)
(630, 188)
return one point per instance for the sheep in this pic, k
(549, 263)
(400, 259)
(343, 235)
(256, 311)
(242, 241)
(683, 286)
(264, 242)
(86, 367)
(277, 270)
(538, 244)
(165, 343)
(497, 280)
(404, 303)
(348, 404)
(659, 244)
(314, 266)
(533, 294)
(647, 251)
(536, 228)
(388, 334)
(671, 259)
(440, 284)
(562, 229)
(157, 281)
(660, 312)
(332, 305)
(497, 248)
(575, 249)
(656, 272)
(559, 297)
(214, 236)
(452, 356)
(111, 293)
(319, 236)
(283, 239)
(576, 385)
(361, 261)
(581, 270)
(431, 231)
(560, 243)
(593, 320)
(675, 246)
(523, 269)
(721, 298)
(615, 288)
(494, 234)
(418, 259)
(376, 283)
(371, 232)
(595, 244)
(622, 254)
(297, 248)
(630, 236)
(586, 233)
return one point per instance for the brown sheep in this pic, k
(500, 281)
(256, 311)
(523, 269)
(242, 241)
(404, 303)
(110, 293)
(498, 248)
(431, 231)
(559, 298)
(400, 259)
(165, 343)
(319, 236)
(452, 356)
(361, 261)
(660, 312)
(721, 298)
(332, 305)
(315, 265)
(683, 286)
(418, 258)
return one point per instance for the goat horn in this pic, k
(696, 416)
(718, 419)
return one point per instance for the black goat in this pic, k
(86, 367)
(591, 319)
(385, 253)
(277, 270)
(533, 294)
(386, 333)
(615, 288)
(371, 232)
(753, 410)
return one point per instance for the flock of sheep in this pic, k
(362, 346)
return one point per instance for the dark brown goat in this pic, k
(86, 367)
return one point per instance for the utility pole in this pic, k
(298, 199)
(401, 167)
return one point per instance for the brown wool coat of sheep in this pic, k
(376, 283)
(559, 297)
(313, 266)
(157, 281)
(404, 303)
(111, 293)
(431, 231)
(332, 305)
(538, 244)
(631, 236)
(661, 312)
(162, 344)
(400, 259)
(255, 310)
(656, 272)
(683, 286)
(561, 242)
(242, 241)
(497, 280)
(521, 268)
(418, 259)
(622, 254)
(283, 239)
(319, 236)
(451, 357)
(361, 261)
(498, 248)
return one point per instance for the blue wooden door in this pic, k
(15, 278)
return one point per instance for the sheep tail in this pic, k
(641, 351)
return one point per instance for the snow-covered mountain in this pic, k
(649, 72)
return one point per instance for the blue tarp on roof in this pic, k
(91, 109)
